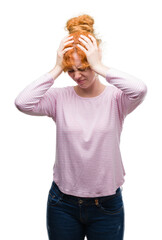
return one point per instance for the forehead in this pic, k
(77, 60)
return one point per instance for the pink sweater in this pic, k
(88, 161)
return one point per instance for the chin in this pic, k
(82, 86)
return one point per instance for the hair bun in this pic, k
(80, 23)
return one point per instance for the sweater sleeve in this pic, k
(38, 98)
(130, 91)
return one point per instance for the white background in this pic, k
(31, 32)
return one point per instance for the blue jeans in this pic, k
(72, 218)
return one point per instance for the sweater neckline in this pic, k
(87, 98)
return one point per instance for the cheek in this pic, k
(90, 74)
(91, 77)
(70, 74)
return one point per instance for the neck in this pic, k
(94, 89)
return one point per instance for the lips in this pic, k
(81, 81)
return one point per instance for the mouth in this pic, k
(81, 81)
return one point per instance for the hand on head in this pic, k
(93, 53)
(90, 49)
(62, 50)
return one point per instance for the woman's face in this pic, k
(83, 77)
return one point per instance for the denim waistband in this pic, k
(82, 200)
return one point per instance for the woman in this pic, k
(85, 197)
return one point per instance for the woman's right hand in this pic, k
(61, 51)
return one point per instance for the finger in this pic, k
(82, 48)
(68, 38)
(93, 40)
(86, 39)
(62, 44)
(66, 49)
(84, 43)
(66, 43)
(65, 39)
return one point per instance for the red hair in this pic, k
(77, 26)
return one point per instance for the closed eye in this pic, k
(71, 70)
(79, 69)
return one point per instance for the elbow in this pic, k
(143, 90)
(23, 106)
(17, 103)
(140, 93)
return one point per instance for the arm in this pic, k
(37, 98)
(131, 91)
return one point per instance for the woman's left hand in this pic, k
(93, 53)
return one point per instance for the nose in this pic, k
(77, 75)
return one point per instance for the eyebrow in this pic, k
(80, 67)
